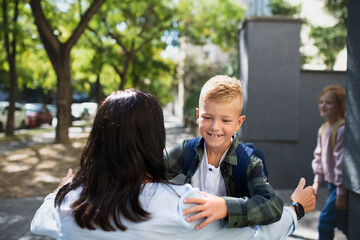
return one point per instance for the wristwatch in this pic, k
(299, 209)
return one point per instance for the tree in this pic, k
(10, 30)
(59, 55)
(134, 25)
(283, 8)
(331, 40)
(201, 22)
(98, 62)
(214, 20)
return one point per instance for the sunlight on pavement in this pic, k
(45, 177)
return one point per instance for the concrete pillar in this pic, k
(270, 75)
(351, 176)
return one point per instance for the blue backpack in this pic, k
(243, 155)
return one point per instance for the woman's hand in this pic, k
(65, 180)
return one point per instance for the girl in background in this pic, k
(328, 161)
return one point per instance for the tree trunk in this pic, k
(11, 58)
(99, 91)
(9, 131)
(123, 74)
(59, 55)
(63, 98)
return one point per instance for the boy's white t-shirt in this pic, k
(208, 178)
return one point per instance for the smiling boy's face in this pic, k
(218, 121)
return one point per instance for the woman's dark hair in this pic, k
(124, 149)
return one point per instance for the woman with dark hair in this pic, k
(121, 192)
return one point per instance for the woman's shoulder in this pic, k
(72, 196)
(169, 188)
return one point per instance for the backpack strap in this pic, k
(243, 155)
(322, 127)
(189, 153)
(335, 129)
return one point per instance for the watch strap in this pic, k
(299, 209)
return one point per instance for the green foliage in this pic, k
(283, 8)
(231, 69)
(217, 20)
(63, 17)
(196, 74)
(331, 40)
(132, 27)
(139, 25)
(201, 22)
(191, 103)
(33, 68)
(338, 9)
(153, 74)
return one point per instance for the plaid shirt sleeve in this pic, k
(263, 207)
(173, 160)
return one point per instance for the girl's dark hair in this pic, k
(124, 149)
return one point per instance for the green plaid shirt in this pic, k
(263, 206)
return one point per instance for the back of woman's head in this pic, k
(125, 148)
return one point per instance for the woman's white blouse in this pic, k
(165, 204)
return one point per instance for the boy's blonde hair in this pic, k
(222, 88)
(339, 94)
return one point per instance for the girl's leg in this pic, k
(328, 216)
(343, 221)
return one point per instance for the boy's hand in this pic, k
(305, 196)
(211, 207)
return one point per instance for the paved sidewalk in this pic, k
(16, 214)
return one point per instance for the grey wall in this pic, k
(351, 177)
(272, 75)
(280, 101)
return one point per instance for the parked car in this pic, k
(52, 109)
(20, 118)
(77, 111)
(90, 109)
(38, 114)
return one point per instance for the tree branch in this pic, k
(51, 43)
(83, 23)
(117, 38)
(148, 13)
(13, 43)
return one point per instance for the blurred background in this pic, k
(60, 58)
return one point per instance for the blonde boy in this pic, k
(218, 117)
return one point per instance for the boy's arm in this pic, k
(263, 207)
(173, 160)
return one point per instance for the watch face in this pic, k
(299, 209)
